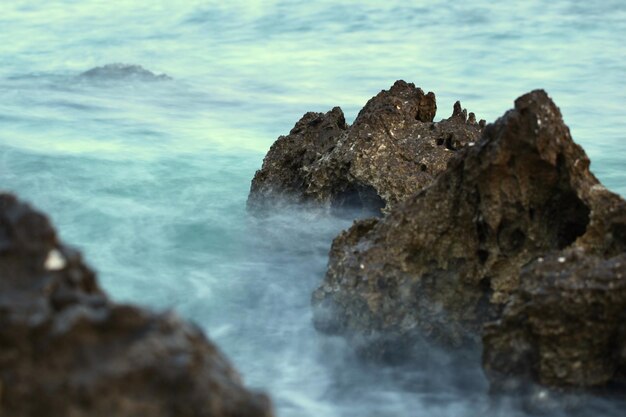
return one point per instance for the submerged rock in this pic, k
(123, 71)
(564, 327)
(444, 261)
(66, 349)
(392, 150)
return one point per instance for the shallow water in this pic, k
(150, 178)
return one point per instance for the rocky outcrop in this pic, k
(564, 327)
(67, 350)
(392, 150)
(122, 72)
(444, 261)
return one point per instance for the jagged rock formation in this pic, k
(67, 350)
(123, 71)
(444, 261)
(392, 150)
(564, 327)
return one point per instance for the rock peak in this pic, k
(403, 102)
(534, 99)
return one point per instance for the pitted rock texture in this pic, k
(67, 350)
(392, 150)
(564, 327)
(444, 261)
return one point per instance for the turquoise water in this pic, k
(150, 178)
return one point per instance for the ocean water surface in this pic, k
(149, 177)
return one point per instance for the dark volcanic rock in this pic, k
(564, 327)
(67, 350)
(392, 150)
(445, 260)
(123, 71)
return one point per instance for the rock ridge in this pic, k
(392, 150)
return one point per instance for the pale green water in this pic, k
(150, 179)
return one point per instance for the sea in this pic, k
(148, 176)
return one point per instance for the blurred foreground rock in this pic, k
(446, 260)
(67, 350)
(392, 150)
